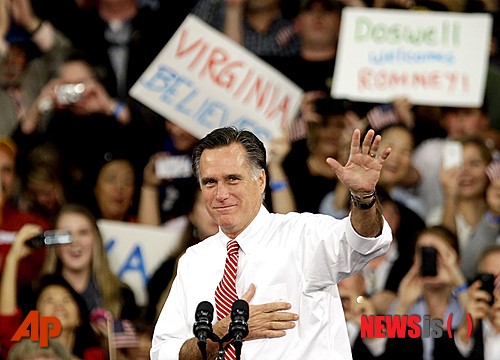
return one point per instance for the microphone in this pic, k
(202, 327)
(239, 325)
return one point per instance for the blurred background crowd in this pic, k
(76, 148)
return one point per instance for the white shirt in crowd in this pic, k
(491, 342)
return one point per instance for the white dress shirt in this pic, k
(297, 258)
(491, 342)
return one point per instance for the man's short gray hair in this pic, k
(225, 136)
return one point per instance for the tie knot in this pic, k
(232, 247)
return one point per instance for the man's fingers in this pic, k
(249, 294)
(367, 142)
(334, 165)
(385, 154)
(270, 325)
(284, 316)
(355, 141)
(265, 334)
(271, 307)
(268, 320)
(281, 325)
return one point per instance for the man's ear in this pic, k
(262, 181)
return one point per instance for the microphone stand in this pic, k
(237, 348)
(222, 349)
(221, 352)
(238, 329)
(202, 345)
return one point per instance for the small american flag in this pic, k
(124, 335)
(382, 116)
(284, 36)
(298, 129)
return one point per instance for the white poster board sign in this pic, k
(202, 80)
(432, 58)
(135, 251)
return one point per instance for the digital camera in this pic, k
(50, 238)
(68, 94)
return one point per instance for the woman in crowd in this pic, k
(392, 177)
(110, 189)
(53, 296)
(487, 232)
(464, 189)
(76, 114)
(441, 297)
(84, 264)
(45, 183)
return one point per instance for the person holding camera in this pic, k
(464, 186)
(482, 341)
(434, 287)
(31, 49)
(75, 113)
(168, 185)
(487, 232)
(52, 295)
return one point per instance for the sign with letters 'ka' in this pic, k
(432, 58)
(135, 251)
(202, 80)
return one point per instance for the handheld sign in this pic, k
(432, 58)
(135, 251)
(202, 80)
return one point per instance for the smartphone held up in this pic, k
(171, 167)
(429, 261)
(453, 154)
(487, 284)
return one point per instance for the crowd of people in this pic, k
(76, 148)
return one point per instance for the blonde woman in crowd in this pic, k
(84, 264)
(52, 295)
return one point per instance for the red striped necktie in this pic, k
(225, 294)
